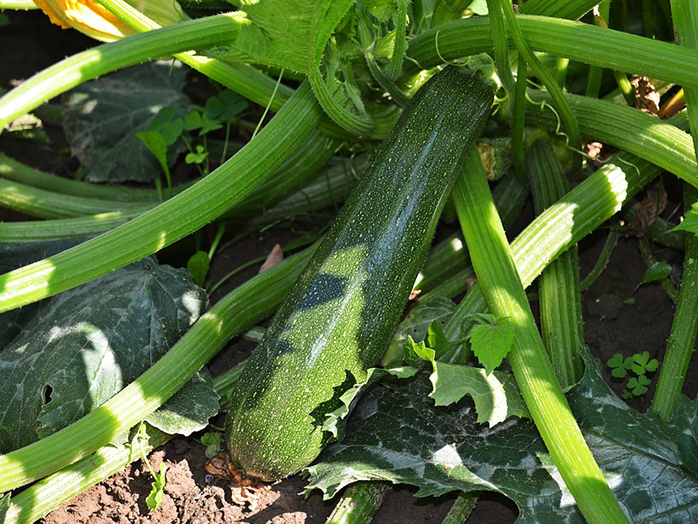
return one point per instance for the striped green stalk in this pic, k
(569, 9)
(47, 204)
(359, 503)
(505, 295)
(626, 128)
(559, 292)
(19, 172)
(461, 509)
(499, 35)
(41, 498)
(684, 329)
(518, 118)
(584, 43)
(245, 305)
(174, 219)
(394, 68)
(41, 231)
(562, 225)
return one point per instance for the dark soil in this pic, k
(30, 44)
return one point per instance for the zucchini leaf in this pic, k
(189, 409)
(101, 119)
(13, 256)
(83, 346)
(395, 434)
(284, 33)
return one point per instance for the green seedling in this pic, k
(197, 158)
(212, 440)
(154, 498)
(640, 364)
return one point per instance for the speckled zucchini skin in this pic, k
(339, 316)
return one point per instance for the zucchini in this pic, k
(339, 316)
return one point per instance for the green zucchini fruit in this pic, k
(339, 316)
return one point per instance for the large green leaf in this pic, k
(101, 119)
(396, 434)
(83, 346)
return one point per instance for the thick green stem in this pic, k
(628, 129)
(394, 69)
(461, 509)
(450, 256)
(505, 295)
(47, 204)
(559, 290)
(518, 119)
(569, 9)
(584, 43)
(359, 503)
(173, 219)
(19, 172)
(242, 307)
(499, 35)
(684, 329)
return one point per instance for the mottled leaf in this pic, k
(101, 119)
(394, 434)
(13, 256)
(84, 345)
(190, 409)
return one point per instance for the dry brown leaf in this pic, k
(276, 256)
(651, 206)
(646, 95)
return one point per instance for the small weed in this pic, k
(640, 364)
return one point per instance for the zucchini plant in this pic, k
(376, 108)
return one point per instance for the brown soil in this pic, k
(30, 44)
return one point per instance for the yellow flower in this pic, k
(90, 18)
